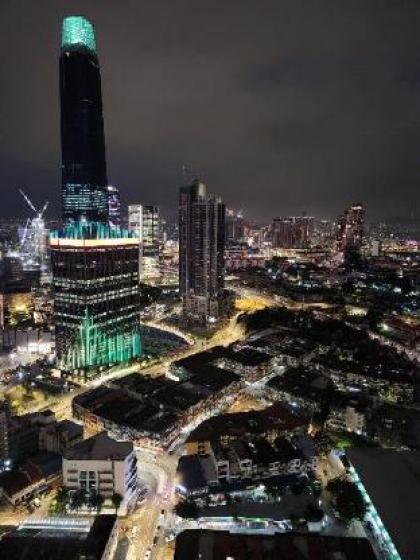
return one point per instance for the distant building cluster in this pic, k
(350, 229)
(293, 232)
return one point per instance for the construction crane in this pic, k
(39, 213)
(25, 232)
(36, 223)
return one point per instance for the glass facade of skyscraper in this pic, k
(84, 177)
(95, 264)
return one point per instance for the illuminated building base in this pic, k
(96, 297)
(94, 348)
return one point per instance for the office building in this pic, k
(94, 261)
(294, 232)
(114, 205)
(144, 222)
(84, 177)
(96, 297)
(135, 220)
(151, 241)
(350, 229)
(103, 465)
(201, 252)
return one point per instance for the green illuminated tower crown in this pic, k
(77, 32)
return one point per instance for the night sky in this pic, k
(280, 106)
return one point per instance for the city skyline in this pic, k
(220, 386)
(347, 135)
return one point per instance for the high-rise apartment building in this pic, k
(294, 232)
(95, 263)
(201, 252)
(144, 222)
(350, 229)
(84, 177)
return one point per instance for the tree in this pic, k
(116, 501)
(314, 514)
(187, 509)
(374, 317)
(95, 501)
(347, 499)
(297, 489)
(61, 500)
(323, 443)
(78, 500)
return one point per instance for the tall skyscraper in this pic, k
(201, 252)
(350, 229)
(95, 263)
(84, 178)
(151, 231)
(294, 232)
(144, 222)
(149, 269)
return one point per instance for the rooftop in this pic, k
(249, 357)
(153, 405)
(77, 31)
(58, 539)
(214, 545)
(395, 494)
(99, 448)
(278, 417)
(13, 482)
(191, 470)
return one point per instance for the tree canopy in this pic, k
(347, 499)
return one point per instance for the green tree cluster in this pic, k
(347, 499)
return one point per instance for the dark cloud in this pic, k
(281, 106)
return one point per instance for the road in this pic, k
(157, 472)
